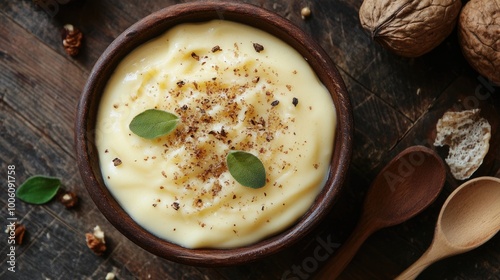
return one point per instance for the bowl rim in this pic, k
(157, 23)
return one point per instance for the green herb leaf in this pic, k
(38, 189)
(153, 123)
(246, 168)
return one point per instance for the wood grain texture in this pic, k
(396, 104)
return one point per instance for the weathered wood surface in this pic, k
(396, 103)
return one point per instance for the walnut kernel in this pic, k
(117, 161)
(19, 232)
(72, 39)
(95, 241)
(258, 47)
(68, 199)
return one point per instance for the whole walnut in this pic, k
(479, 37)
(409, 28)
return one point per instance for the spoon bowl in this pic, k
(468, 219)
(464, 222)
(406, 186)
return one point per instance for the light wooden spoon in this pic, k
(407, 185)
(469, 217)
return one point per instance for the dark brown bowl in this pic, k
(156, 24)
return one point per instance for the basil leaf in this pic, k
(38, 189)
(153, 123)
(246, 169)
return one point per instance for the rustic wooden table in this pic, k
(396, 103)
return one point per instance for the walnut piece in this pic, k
(72, 39)
(19, 232)
(95, 241)
(68, 199)
(117, 161)
(409, 28)
(468, 135)
(479, 37)
(258, 47)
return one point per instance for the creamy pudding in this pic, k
(233, 87)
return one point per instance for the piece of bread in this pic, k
(468, 136)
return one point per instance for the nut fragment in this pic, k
(216, 49)
(117, 161)
(479, 37)
(95, 241)
(305, 12)
(258, 47)
(409, 28)
(68, 199)
(195, 56)
(19, 233)
(72, 39)
(468, 136)
(175, 205)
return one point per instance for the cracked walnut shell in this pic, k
(409, 28)
(479, 37)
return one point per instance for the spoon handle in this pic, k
(334, 267)
(414, 270)
(434, 253)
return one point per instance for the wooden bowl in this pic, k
(156, 24)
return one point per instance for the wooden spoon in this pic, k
(407, 185)
(469, 217)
